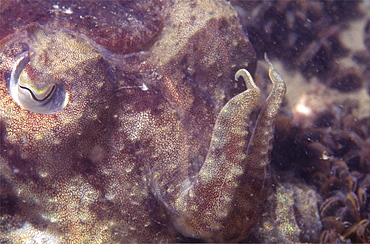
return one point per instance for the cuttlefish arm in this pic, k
(225, 199)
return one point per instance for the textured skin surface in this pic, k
(127, 162)
(121, 26)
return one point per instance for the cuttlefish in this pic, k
(149, 146)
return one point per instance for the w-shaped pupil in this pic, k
(34, 96)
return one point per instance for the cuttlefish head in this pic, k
(54, 65)
(55, 85)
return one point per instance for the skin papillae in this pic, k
(145, 148)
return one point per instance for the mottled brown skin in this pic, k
(121, 26)
(121, 163)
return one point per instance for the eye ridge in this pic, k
(34, 96)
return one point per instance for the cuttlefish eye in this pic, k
(47, 98)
